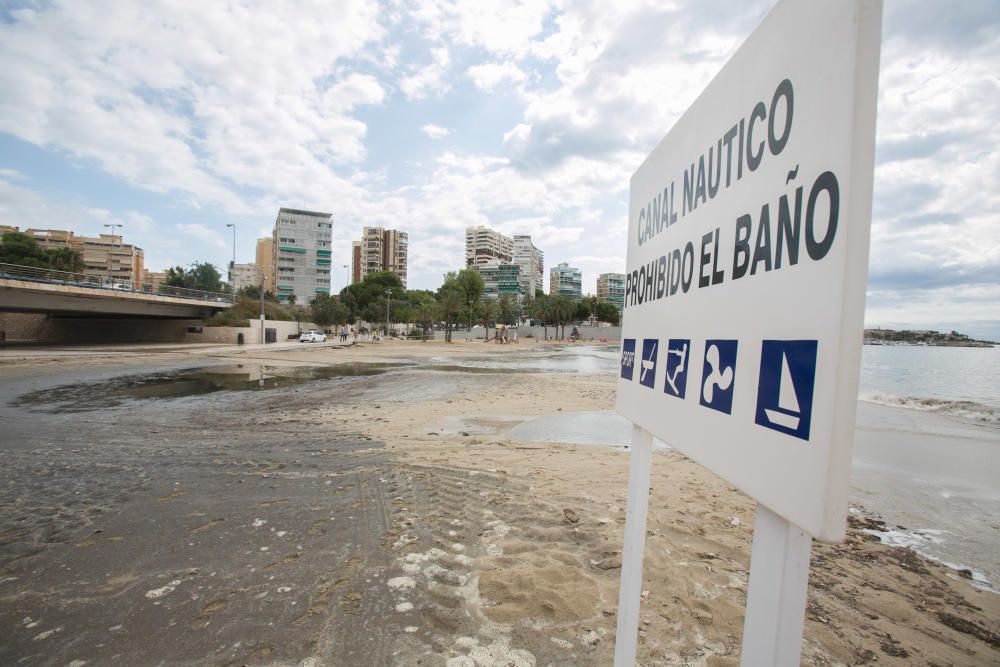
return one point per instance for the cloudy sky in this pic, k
(175, 118)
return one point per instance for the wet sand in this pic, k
(350, 521)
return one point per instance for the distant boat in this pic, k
(788, 402)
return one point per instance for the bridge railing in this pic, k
(53, 277)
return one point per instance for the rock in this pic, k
(609, 560)
(570, 515)
(707, 555)
(644, 596)
(733, 521)
(608, 612)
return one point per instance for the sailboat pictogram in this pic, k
(788, 413)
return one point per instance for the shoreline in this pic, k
(495, 550)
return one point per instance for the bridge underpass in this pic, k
(50, 306)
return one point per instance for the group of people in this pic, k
(504, 335)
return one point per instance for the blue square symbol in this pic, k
(786, 384)
(718, 376)
(628, 358)
(678, 351)
(647, 371)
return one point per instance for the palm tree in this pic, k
(424, 316)
(562, 310)
(542, 310)
(451, 303)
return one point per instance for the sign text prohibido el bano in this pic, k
(747, 267)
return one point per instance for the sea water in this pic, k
(926, 454)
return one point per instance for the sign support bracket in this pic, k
(776, 594)
(636, 509)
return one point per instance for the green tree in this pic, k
(424, 314)
(542, 310)
(450, 299)
(506, 309)
(361, 297)
(198, 276)
(562, 310)
(606, 312)
(19, 248)
(326, 310)
(470, 283)
(253, 292)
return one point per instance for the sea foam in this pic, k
(969, 410)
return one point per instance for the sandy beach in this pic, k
(384, 515)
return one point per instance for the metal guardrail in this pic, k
(52, 277)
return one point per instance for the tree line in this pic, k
(19, 248)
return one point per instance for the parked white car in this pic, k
(312, 336)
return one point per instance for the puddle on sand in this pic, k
(604, 427)
(87, 396)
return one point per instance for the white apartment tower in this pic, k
(485, 246)
(531, 261)
(302, 255)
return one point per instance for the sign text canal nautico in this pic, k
(746, 274)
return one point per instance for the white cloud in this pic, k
(188, 97)
(216, 108)
(429, 78)
(435, 131)
(490, 75)
(202, 233)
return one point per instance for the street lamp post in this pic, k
(113, 226)
(388, 300)
(347, 275)
(261, 308)
(232, 265)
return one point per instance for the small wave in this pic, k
(970, 410)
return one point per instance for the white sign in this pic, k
(747, 264)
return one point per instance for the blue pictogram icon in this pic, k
(785, 387)
(719, 375)
(628, 358)
(678, 351)
(647, 374)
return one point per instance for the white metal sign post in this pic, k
(744, 294)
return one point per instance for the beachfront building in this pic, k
(486, 246)
(301, 255)
(565, 280)
(611, 289)
(531, 261)
(153, 278)
(500, 279)
(104, 255)
(379, 250)
(244, 275)
(265, 262)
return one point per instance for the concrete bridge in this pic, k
(31, 290)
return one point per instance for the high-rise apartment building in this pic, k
(302, 256)
(379, 249)
(265, 262)
(104, 255)
(531, 261)
(486, 246)
(565, 280)
(611, 289)
(500, 279)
